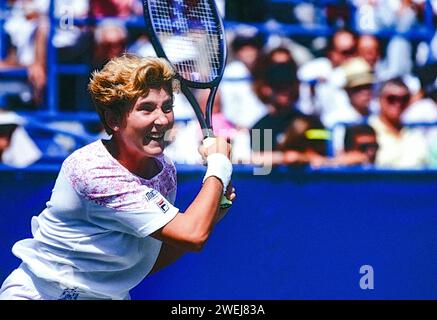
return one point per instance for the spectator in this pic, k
(110, 41)
(111, 34)
(283, 54)
(423, 110)
(395, 15)
(279, 89)
(361, 140)
(20, 29)
(341, 47)
(279, 55)
(359, 85)
(305, 141)
(115, 8)
(72, 45)
(300, 51)
(369, 48)
(393, 65)
(16, 147)
(323, 73)
(241, 105)
(353, 103)
(400, 147)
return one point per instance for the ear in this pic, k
(112, 119)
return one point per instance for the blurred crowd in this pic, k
(363, 94)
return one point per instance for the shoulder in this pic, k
(374, 121)
(319, 68)
(92, 170)
(293, 112)
(263, 123)
(424, 110)
(90, 157)
(236, 69)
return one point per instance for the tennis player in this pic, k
(110, 220)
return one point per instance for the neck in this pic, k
(365, 112)
(144, 167)
(395, 127)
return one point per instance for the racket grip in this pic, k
(225, 203)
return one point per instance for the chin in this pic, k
(153, 151)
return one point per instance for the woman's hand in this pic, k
(231, 195)
(215, 145)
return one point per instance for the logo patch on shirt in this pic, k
(163, 205)
(151, 194)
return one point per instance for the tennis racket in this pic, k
(190, 35)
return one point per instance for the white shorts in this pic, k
(22, 284)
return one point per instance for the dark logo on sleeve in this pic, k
(163, 205)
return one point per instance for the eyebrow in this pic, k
(153, 103)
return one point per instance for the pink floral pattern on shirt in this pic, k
(98, 177)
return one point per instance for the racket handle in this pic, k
(225, 203)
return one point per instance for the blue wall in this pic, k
(291, 235)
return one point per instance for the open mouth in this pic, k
(155, 136)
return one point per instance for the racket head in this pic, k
(190, 35)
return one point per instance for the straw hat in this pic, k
(357, 73)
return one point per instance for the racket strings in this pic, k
(190, 36)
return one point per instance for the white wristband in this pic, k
(219, 166)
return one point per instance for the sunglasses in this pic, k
(363, 147)
(392, 99)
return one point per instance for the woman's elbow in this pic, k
(195, 243)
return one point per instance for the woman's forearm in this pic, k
(190, 230)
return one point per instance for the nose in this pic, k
(161, 119)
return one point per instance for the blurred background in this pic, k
(293, 67)
(347, 91)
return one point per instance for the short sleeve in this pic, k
(116, 199)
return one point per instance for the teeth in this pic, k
(156, 136)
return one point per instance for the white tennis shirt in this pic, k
(94, 233)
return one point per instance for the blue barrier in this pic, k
(13, 73)
(295, 234)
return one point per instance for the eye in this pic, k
(147, 108)
(167, 107)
